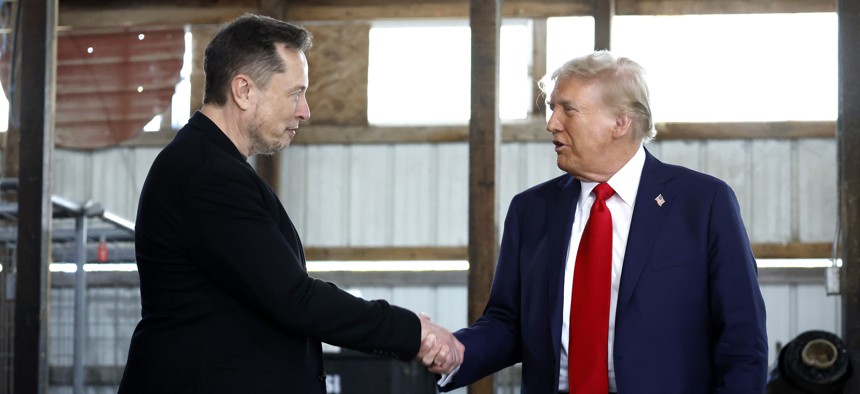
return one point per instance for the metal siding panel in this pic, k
(776, 301)
(370, 179)
(328, 190)
(770, 190)
(540, 163)
(413, 209)
(683, 153)
(293, 186)
(729, 161)
(817, 199)
(418, 299)
(452, 194)
(817, 311)
(72, 174)
(113, 181)
(372, 292)
(511, 180)
(452, 301)
(656, 149)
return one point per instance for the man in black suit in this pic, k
(228, 306)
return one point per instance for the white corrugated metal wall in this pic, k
(416, 195)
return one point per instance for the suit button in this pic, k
(321, 377)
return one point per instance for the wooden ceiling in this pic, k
(105, 96)
(123, 13)
(111, 81)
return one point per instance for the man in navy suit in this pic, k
(685, 313)
(227, 304)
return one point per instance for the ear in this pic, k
(623, 126)
(240, 91)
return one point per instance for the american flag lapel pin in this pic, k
(660, 200)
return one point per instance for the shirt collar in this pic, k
(625, 182)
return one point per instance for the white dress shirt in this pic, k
(626, 184)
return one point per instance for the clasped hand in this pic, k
(440, 351)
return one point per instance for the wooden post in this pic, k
(538, 67)
(848, 144)
(604, 10)
(32, 290)
(484, 141)
(200, 37)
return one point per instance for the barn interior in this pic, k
(426, 120)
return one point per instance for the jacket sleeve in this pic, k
(736, 304)
(493, 341)
(236, 240)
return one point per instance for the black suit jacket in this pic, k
(228, 306)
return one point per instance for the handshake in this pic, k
(440, 351)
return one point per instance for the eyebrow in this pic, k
(562, 102)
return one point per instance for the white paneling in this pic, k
(779, 311)
(328, 195)
(452, 310)
(417, 194)
(372, 292)
(72, 175)
(770, 192)
(293, 186)
(540, 163)
(683, 153)
(451, 190)
(729, 161)
(511, 180)
(114, 181)
(418, 299)
(414, 219)
(817, 311)
(371, 190)
(817, 195)
(656, 149)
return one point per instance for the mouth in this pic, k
(292, 132)
(558, 145)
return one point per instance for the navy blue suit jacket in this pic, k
(690, 315)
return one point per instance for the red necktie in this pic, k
(587, 363)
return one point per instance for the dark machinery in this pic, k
(815, 362)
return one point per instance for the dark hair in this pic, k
(247, 45)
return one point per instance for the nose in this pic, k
(303, 110)
(553, 125)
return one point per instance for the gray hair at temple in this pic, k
(623, 83)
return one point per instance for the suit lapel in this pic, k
(647, 221)
(560, 213)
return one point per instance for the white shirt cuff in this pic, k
(446, 378)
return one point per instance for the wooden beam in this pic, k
(268, 167)
(32, 288)
(782, 276)
(848, 144)
(386, 253)
(689, 7)
(792, 250)
(201, 35)
(604, 11)
(530, 130)
(131, 279)
(485, 127)
(377, 9)
(152, 14)
(165, 12)
(538, 69)
(745, 130)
